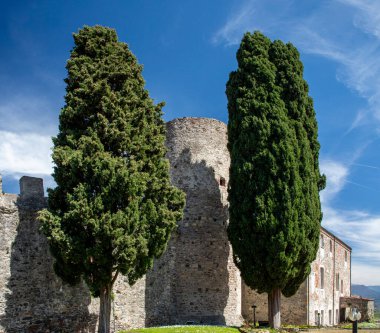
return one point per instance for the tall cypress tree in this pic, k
(275, 210)
(114, 208)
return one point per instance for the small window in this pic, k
(322, 278)
(341, 286)
(316, 317)
(345, 256)
(330, 317)
(322, 242)
(331, 246)
(337, 282)
(222, 181)
(337, 316)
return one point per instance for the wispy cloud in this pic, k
(367, 17)
(238, 23)
(346, 32)
(359, 68)
(253, 15)
(320, 32)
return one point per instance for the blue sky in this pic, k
(188, 49)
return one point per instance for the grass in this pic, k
(361, 325)
(184, 329)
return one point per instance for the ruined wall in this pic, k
(32, 298)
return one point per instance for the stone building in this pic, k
(318, 300)
(195, 281)
(366, 307)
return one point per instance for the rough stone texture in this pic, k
(325, 301)
(293, 309)
(207, 285)
(32, 298)
(365, 306)
(128, 306)
(312, 304)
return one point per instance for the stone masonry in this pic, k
(317, 301)
(195, 281)
(32, 298)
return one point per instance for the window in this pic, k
(337, 316)
(330, 317)
(316, 317)
(341, 286)
(345, 256)
(322, 277)
(322, 241)
(337, 282)
(222, 181)
(331, 246)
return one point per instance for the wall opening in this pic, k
(330, 317)
(337, 281)
(222, 181)
(322, 278)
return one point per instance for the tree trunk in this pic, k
(105, 310)
(274, 308)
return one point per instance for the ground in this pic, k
(185, 329)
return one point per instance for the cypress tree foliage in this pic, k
(114, 208)
(275, 210)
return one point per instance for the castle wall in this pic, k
(293, 309)
(32, 298)
(194, 281)
(207, 285)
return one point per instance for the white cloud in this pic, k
(25, 153)
(336, 174)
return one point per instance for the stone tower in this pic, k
(202, 283)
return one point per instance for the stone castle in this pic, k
(195, 281)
